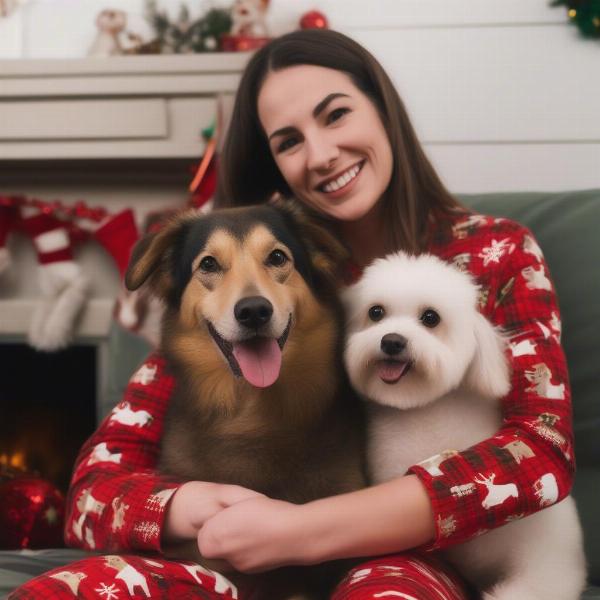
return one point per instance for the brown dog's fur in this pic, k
(300, 438)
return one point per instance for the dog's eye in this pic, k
(430, 318)
(209, 264)
(277, 258)
(376, 313)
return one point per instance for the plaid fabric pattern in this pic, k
(407, 575)
(529, 463)
(117, 577)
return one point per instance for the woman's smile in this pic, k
(339, 185)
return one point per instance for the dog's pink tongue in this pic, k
(259, 360)
(390, 371)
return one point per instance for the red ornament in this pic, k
(241, 43)
(31, 514)
(314, 20)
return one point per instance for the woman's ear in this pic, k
(489, 372)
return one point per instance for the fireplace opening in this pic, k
(48, 407)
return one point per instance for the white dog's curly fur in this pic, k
(434, 370)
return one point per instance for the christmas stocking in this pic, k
(7, 220)
(135, 311)
(64, 287)
(118, 234)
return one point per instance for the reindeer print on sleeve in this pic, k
(529, 463)
(496, 493)
(117, 499)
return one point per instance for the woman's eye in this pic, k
(287, 144)
(337, 114)
(376, 313)
(430, 318)
(209, 264)
(277, 258)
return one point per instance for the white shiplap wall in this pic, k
(503, 93)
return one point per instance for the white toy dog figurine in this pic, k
(110, 24)
(249, 17)
(434, 370)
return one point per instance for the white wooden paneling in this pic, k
(113, 119)
(473, 168)
(494, 84)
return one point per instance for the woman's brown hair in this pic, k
(248, 174)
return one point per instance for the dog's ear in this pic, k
(150, 258)
(488, 373)
(327, 253)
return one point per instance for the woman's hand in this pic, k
(194, 503)
(256, 535)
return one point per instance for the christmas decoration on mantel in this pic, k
(314, 20)
(585, 14)
(55, 229)
(7, 7)
(186, 35)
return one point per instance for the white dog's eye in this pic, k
(376, 313)
(430, 318)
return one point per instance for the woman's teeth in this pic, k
(342, 180)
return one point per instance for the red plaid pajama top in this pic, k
(117, 499)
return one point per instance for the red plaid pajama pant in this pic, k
(407, 576)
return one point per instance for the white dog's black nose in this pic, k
(393, 343)
(253, 311)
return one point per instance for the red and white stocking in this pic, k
(7, 220)
(64, 286)
(135, 311)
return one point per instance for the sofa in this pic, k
(567, 227)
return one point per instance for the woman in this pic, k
(317, 117)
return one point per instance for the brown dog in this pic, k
(253, 332)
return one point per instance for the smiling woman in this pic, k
(317, 117)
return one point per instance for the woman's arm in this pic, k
(117, 499)
(532, 454)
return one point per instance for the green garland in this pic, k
(585, 14)
(185, 35)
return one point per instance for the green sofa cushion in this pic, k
(567, 227)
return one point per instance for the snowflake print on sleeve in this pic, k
(528, 464)
(117, 500)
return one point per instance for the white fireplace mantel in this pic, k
(115, 132)
(130, 107)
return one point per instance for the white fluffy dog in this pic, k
(433, 370)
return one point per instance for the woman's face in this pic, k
(327, 139)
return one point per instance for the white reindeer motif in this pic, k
(546, 489)
(101, 453)
(522, 348)
(536, 279)
(122, 413)
(496, 493)
(145, 374)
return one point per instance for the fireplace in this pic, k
(48, 405)
(119, 133)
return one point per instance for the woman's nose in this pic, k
(321, 153)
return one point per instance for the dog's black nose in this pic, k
(393, 343)
(252, 312)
